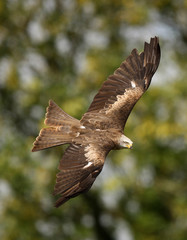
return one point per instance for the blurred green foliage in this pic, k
(64, 49)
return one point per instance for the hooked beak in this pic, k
(129, 146)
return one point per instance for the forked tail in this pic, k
(62, 128)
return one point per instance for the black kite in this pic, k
(100, 129)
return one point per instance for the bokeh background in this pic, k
(63, 50)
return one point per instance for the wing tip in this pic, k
(61, 201)
(151, 59)
(153, 40)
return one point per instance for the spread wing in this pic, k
(79, 167)
(120, 92)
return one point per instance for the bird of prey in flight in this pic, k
(101, 128)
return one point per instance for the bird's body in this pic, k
(100, 129)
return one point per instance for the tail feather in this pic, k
(55, 116)
(50, 137)
(63, 128)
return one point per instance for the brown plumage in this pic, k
(101, 127)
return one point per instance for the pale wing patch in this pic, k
(133, 84)
(93, 156)
(88, 165)
(124, 99)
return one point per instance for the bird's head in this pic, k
(125, 142)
